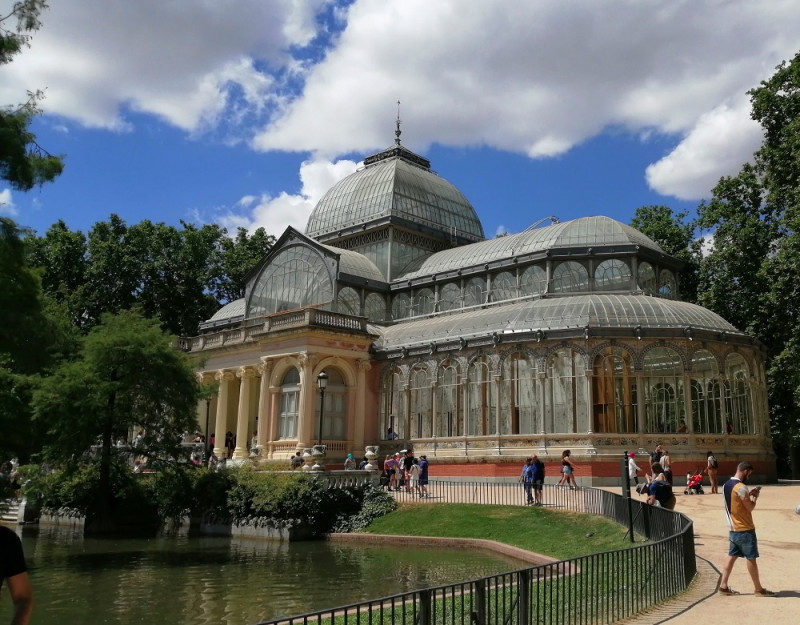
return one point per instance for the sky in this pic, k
(244, 112)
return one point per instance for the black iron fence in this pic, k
(598, 588)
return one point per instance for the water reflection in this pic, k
(223, 580)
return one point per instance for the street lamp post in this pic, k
(322, 382)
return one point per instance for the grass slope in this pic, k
(554, 533)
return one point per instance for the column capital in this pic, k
(364, 365)
(265, 366)
(246, 372)
(225, 375)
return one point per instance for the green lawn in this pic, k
(555, 533)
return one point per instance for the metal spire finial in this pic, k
(397, 130)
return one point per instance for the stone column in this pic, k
(224, 378)
(359, 424)
(264, 407)
(307, 408)
(242, 435)
(687, 404)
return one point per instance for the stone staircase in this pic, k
(10, 510)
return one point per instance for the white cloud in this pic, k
(535, 78)
(720, 141)
(276, 213)
(7, 206)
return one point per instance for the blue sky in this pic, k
(243, 112)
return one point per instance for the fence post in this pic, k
(479, 611)
(523, 597)
(425, 607)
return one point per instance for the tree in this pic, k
(238, 256)
(677, 238)
(127, 379)
(750, 277)
(23, 162)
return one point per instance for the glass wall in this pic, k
(420, 396)
(570, 277)
(614, 392)
(566, 406)
(533, 281)
(448, 420)
(348, 301)
(664, 393)
(647, 278)
(375, 307)
(519, 397)
(612, 275)
(333, 417)
(481, 407)
(297, 276)
(738, 404)
(504, 286)
(706, 397)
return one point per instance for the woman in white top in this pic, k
(667, 466)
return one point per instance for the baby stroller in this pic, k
(694, 484)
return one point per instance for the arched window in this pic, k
(706, 406)
(566, 401)
(333, 417)
(737, 395)
(664, 392)
(290, 404)
(401, 306)
(450, 297)
(481, 412)
(519, 399)
(570, 277)
(348, 301)
(666, 284)
(504, 286)
(448, 420)
(647, 278)
(375, 307)
(614, 392)
(612, 275)
(423, 302)
(421, 403)
(297, 276)
(475, 292)
(533, 281)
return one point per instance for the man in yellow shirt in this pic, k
(740, 501)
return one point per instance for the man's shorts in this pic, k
(537, 484)
(743, 545)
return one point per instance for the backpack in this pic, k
(712, 460)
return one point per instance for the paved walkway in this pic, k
(778, 529)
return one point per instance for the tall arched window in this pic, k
(570, 277)
(613, 392)
(666, 284)
(333, 417)
(519, 401)
(647, 278)
(348, 301)
(706, 407)
(612, 275)
(419, 386)
(475, 292)
(504, 286)
(737, 394)
(481, 414)
(664, 392)
(566, 401)
(533, 281)
(450, 297)
(290, 404)
(375, 307)
(297, 276)
(448, 420)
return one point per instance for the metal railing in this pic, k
(597, 588)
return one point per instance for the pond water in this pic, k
(223, 580)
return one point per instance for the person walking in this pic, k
(712, 467)
(423, 476)
(14, 572)
(567, 471)
(633, 470)
(527, 480)
(740, 501)
(538, 479)
(666, 465)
